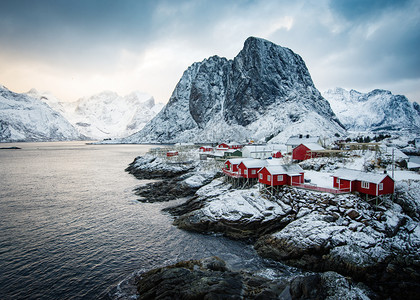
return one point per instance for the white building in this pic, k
(262, 151)
(296, 140)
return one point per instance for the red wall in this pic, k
(296, 179)
(388, 186)
(343, 184)
(229, 164)
(249, 174)
(299, 152)
(275, 180)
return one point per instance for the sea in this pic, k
(71, 226)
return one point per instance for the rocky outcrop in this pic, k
(173, 179)
(210, 278)
(266, 91)
(377, 245)
(315, 231)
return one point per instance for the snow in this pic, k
(24, 118)
(107, 114)
(320, 179)
(376, 110)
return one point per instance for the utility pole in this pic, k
(392, 163)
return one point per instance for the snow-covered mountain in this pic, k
(264, 93)
(106, 115)
(378, 110)
(25, 118)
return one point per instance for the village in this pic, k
(370, 172)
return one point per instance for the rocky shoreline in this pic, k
(318, 232)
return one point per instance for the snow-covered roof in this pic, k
(296, 140)
(352, 175)
(313, 146)
(237, 161)
(413, 165)
(254, 163)
(289, 169)
(398, 154)
(264, 148)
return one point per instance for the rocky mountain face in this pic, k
(107, 114)
(25, 118)
(378, 110)
(264, 93)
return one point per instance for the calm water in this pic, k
(70, 225)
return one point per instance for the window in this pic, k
(337, 180)
(365, 185)
(253, 172)
(246, 172)
(381, 186)
(227, 166)
(261, 176)
(279, 177)
(268, 177)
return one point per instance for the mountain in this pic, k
(378, 110)
(264, 93)
(106, 115)
(24, 118)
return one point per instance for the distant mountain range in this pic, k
(24, 118)
(264, 93)
(378, 110)
(105, 115)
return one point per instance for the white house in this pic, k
(296, 140)
(262, 151)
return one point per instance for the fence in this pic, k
(321, 189)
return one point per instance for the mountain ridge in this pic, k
(377, 110)
(265, 91)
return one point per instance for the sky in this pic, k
(78, 48)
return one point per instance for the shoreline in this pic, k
(309, 230)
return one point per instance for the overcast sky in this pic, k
(81, 47)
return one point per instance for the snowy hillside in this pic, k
(24, 118)
(374, 111)
(106, 115)
(264, 93)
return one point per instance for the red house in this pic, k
(206, 149)
(226, 146)
(306, 151)
(362, 182)
(171, 153)
(222, 146)
(276, 154)
(275, 175)
(231, 166)
(249, 168)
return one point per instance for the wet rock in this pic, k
(210, 278)
(352, 214)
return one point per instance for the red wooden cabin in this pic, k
(276, 154)
(171, 153)
(306, 151)
(275, 175)
(206, 149)
(362, 182)
(231, 166)
(249, 168)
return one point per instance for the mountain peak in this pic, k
(234, 99)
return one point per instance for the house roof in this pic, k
(313, 146)
(254, 163)
(352, 175)
(265, 148)
(296, 140)
(237, 161)
(289, 169)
